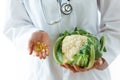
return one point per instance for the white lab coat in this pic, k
(27, 16)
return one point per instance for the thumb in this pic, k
(30, 46)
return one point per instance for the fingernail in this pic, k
(30, 52)
(37, 54)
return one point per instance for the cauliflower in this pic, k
(78, 47)
(71, 46)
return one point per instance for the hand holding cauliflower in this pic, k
(78, 48)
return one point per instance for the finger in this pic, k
(102, 65)
(30, 51)
(30, 46)
(40, 56)
(43, 55)
(63, 65)
(95, 65)
(47, 52)
(37, 54)
(70, 67)
(77, 68)
(98, 63)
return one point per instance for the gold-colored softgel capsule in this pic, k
(40, 47)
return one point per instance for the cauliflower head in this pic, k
(71, 46)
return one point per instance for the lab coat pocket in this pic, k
(51, 11)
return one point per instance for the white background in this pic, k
(11, 64)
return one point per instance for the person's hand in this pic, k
(37, 39)
(74, 68)
(99, 64)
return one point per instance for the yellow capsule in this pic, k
(43, 44)
(43, 50)
(38, 43)
(40, 47)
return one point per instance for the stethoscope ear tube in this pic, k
(64, 8)
(48, 16)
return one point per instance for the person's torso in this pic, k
(46, 15)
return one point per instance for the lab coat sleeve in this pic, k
(110, 27)
(19, 26)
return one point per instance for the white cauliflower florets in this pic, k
(71, 46)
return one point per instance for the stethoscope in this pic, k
(65, 9)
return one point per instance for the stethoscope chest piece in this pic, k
(66, 8)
